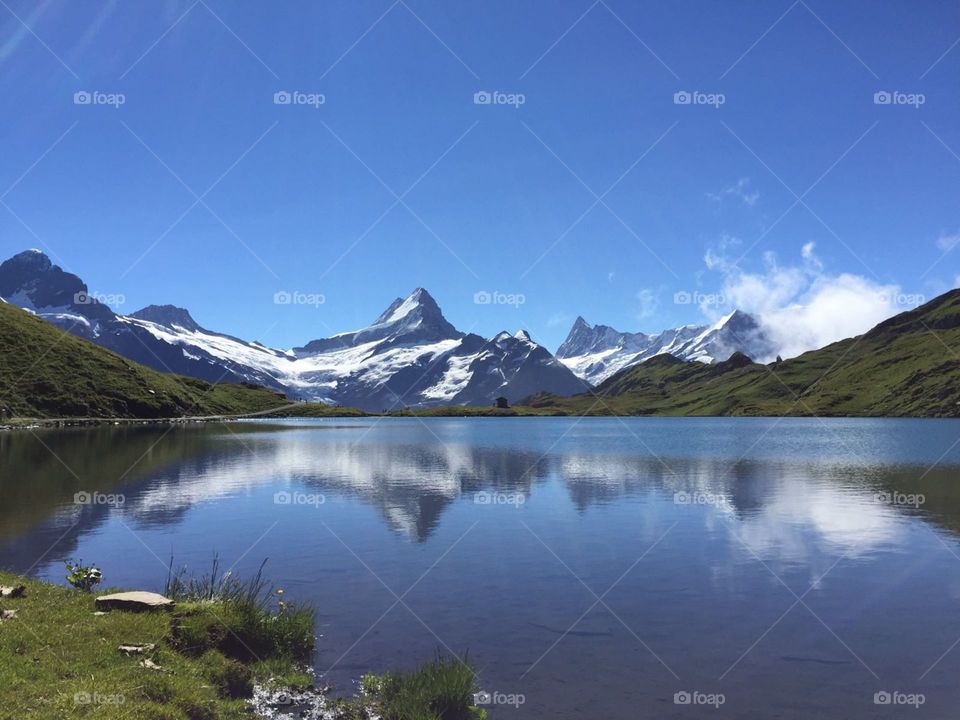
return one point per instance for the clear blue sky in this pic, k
(293, 207)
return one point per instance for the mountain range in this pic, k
(908, 365)
(596, 352)
(410, 356)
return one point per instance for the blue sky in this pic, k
(200, 191)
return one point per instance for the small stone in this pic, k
(137, 649)
(150, 665)
(99, 613)
(135, 601)
(12, 592)
(7, 615)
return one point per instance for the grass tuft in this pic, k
(439, 690)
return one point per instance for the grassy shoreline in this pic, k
(227, 650)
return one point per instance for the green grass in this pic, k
(438, 690)
(58, 660)
(253, 621)
(908, 365)
(47, 373)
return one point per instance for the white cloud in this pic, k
(802, 307)
(649, 302)
(558, 319)
(948, 242)
(740, 189)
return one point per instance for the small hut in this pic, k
(501, 403)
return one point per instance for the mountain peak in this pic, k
(523, 335)
(401, 307)
(167, 315)
(33, 259)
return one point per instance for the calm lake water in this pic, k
(791, 568)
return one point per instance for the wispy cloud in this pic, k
(649, 301)
(558, 319)
(741, 190)
(948, 241)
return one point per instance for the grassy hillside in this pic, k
(908, 365)
(46, 372)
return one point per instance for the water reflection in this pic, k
(734, 511)
(163, 473)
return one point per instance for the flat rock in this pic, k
(135, 601)
(12, 592)
(150, 665)
(137, 648)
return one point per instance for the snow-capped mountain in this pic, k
(595, 352)
(410, 356)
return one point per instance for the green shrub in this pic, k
(439, 690)
(83, 577)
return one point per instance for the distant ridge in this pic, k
(908, 365)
